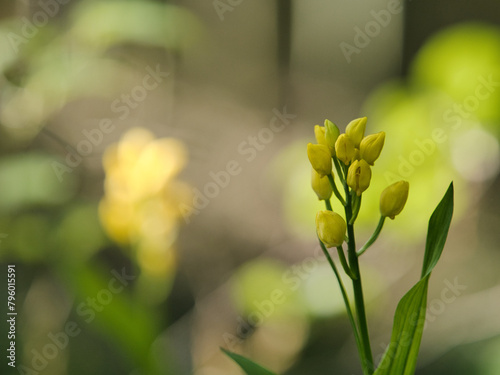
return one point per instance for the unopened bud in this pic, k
(320, 158)
(331, 228)
(331, 135)
(344, 149)
(393, 198)
(319, 133)
(356, 130)
(321, 186)
(371, 146)
(359, 176)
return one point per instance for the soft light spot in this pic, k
(475, 155)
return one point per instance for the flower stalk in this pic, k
(352, 154)
(357, 154)
(335, 190)
(374, 236)
(359, 303)
(347, 303)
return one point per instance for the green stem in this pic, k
(350, 315)
(358, 290)
(343, 261)
(345, 168)
(374, 236)
(335, 190)
(328, 205)
(355, 209)
(338, 169)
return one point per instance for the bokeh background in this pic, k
(154, 185)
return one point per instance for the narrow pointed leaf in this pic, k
(400, 357)
(250, 367)
(439, 224)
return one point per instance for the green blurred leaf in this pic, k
(79, 234)
(29, 180)
(101, 24)
(105, 305)
(32, 247)
(250, 367)
(400, 357)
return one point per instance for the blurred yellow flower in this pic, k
(142, 199)
(140, 165)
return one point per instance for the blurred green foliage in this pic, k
(27, 180)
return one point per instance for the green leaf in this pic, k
(400, 357)
(250, 367)
(439, 224)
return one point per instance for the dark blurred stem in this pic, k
(366, 356)
(284, 21)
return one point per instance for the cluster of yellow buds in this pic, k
(351, 148)
(353, 154)
(359, 153)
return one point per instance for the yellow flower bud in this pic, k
(356, 130)
(357, 154)
(331, 228)
(320, 158)
(319, 133)
(344, 148)
(331, 135)
(359, 176)
(321, 186)
(371, 146)
(393, 198)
